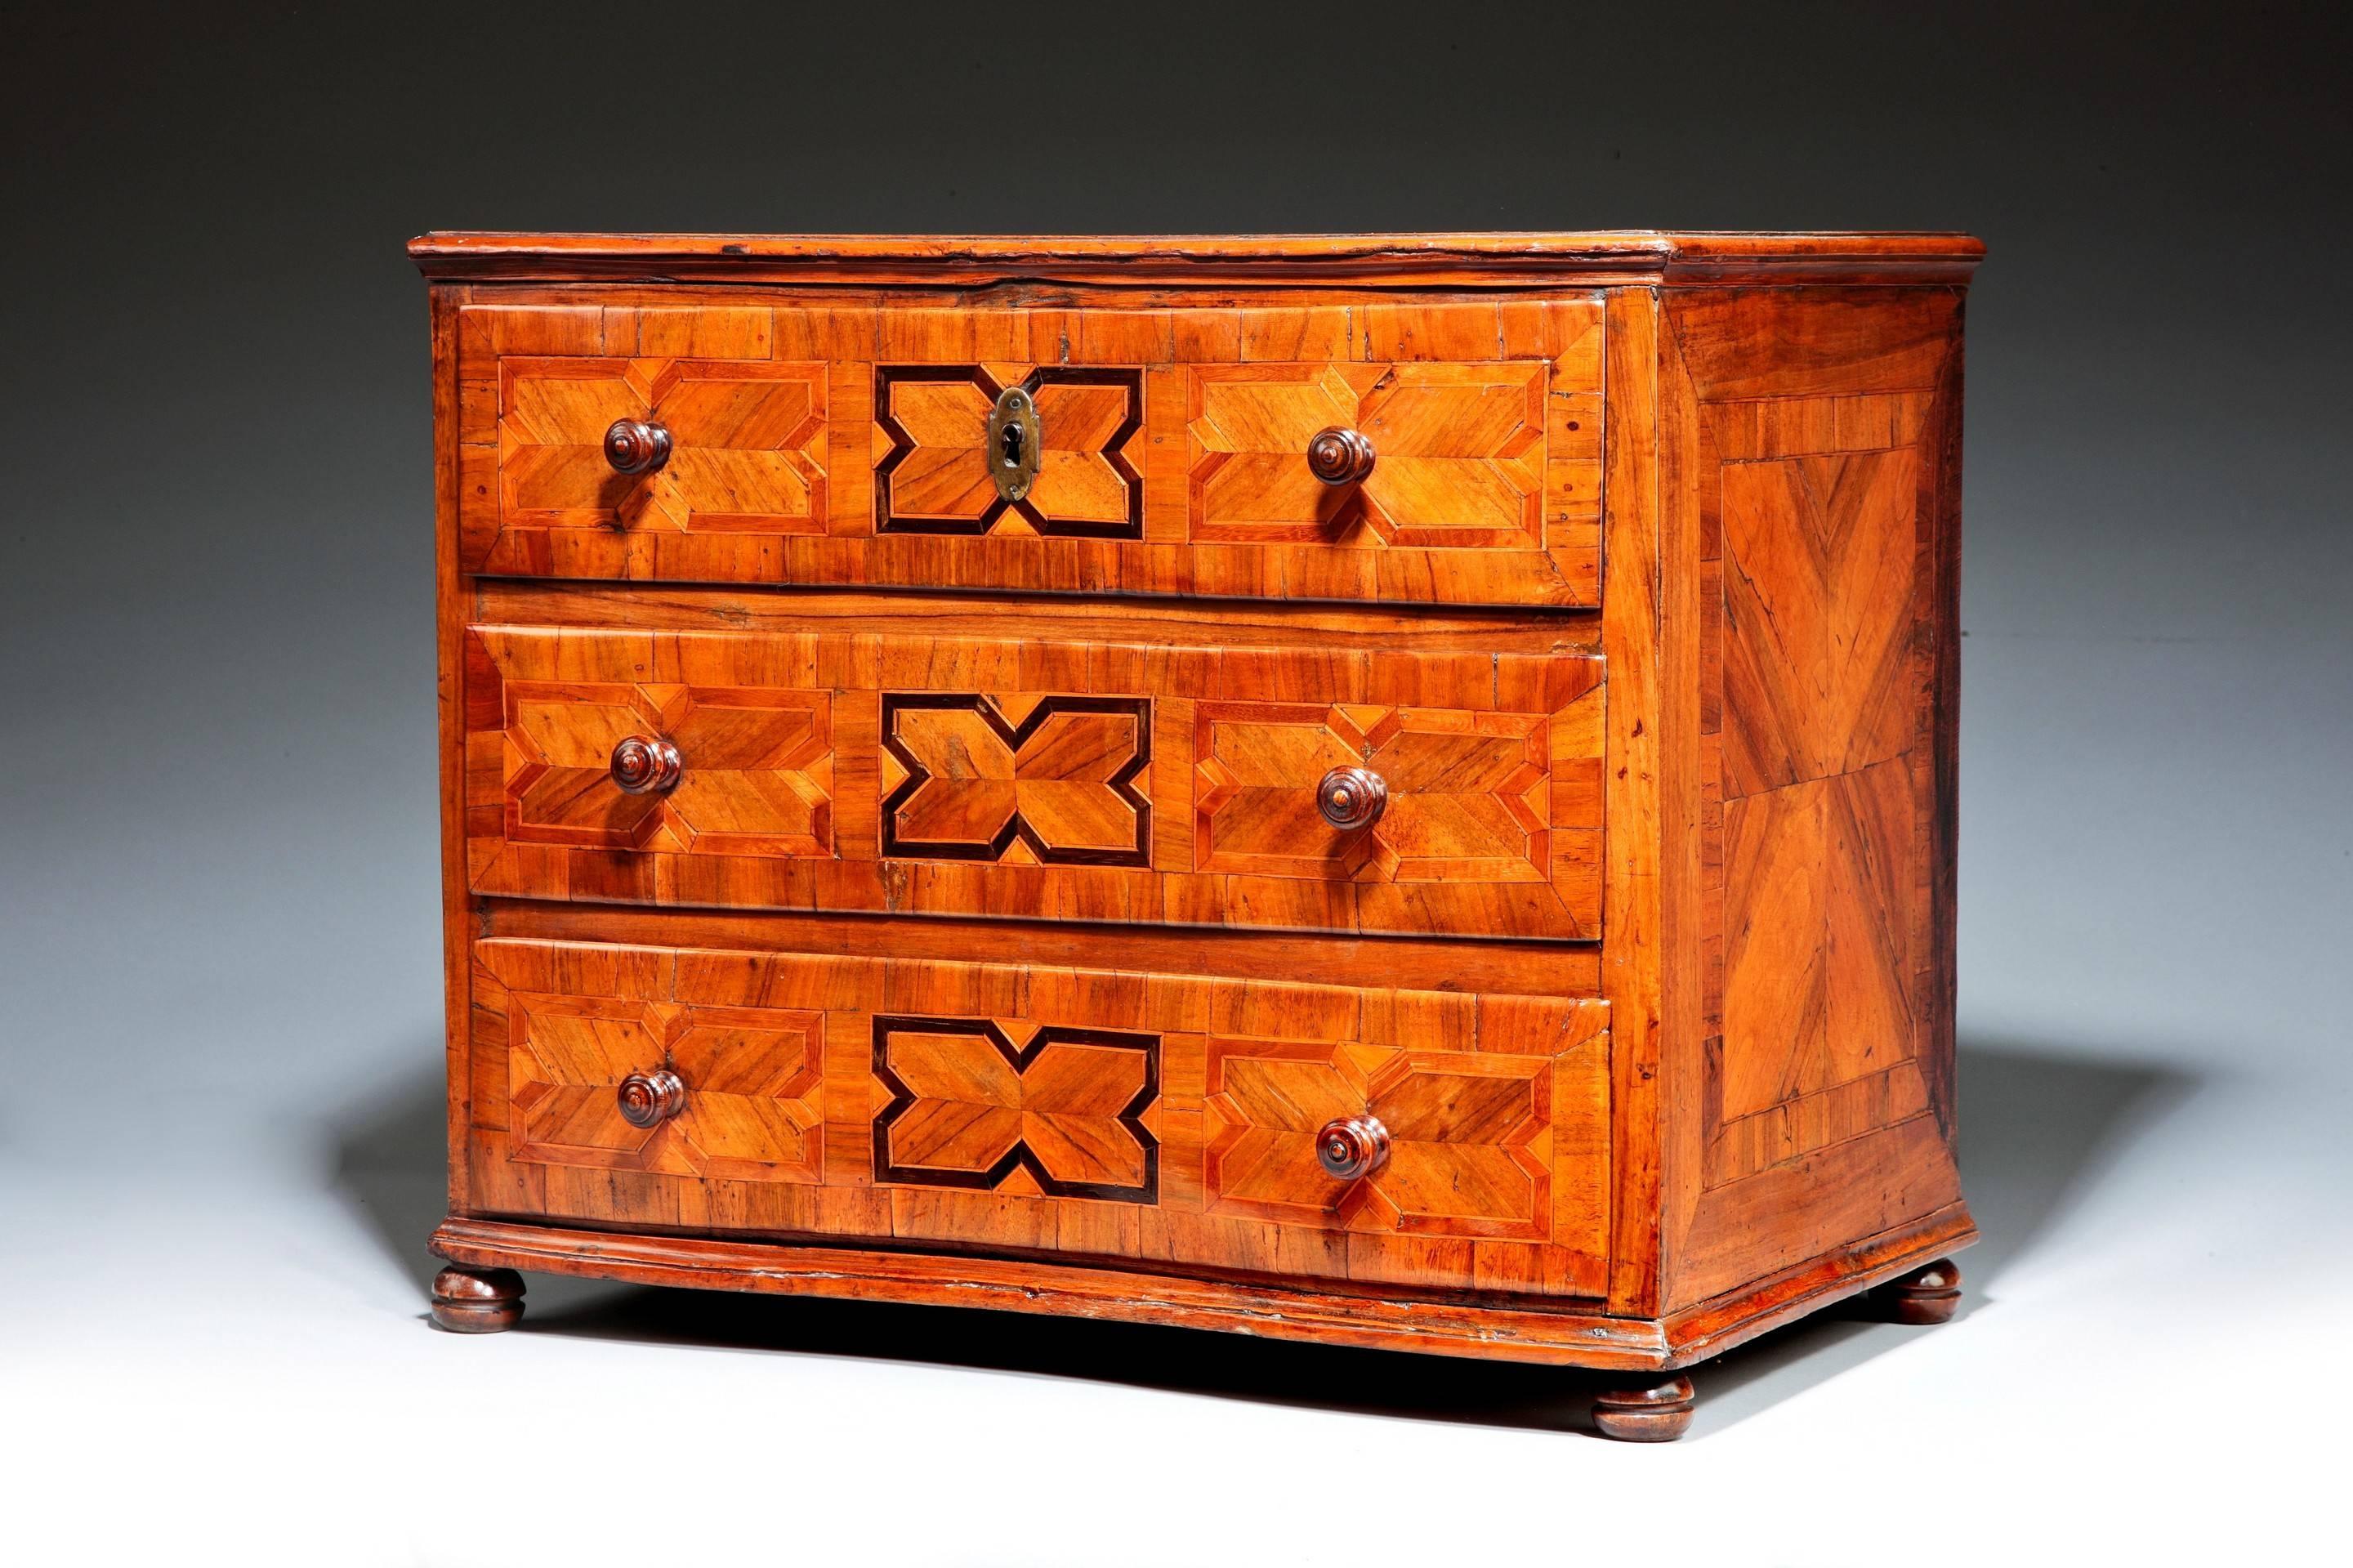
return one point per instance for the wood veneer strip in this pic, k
(1461, 259)
(1526, 969)
(1712, 1327)
(1190, 623)
(449, 638)
(1635, 956)
(1122, 1294)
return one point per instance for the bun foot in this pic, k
(1657, 1411)
(477, 1300)
(1926, 1296)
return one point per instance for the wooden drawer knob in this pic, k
(635, 446)
(643, 765)
(649, 1099)
(1352, 798)
(1340, 456)
(1352, 1146)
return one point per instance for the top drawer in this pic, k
(1165, 451)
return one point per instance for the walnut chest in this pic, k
(1395, 790)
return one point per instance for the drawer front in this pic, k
(1045, 777)
(850, 444)
(1171, 1119)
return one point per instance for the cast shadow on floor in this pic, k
(2039, 1131)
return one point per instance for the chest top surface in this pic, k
(1495, 259)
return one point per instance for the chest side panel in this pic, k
(1822, 487)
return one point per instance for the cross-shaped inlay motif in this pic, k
(1017, 780)
(968, 1109)
(932, 454)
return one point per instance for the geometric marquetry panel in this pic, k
(1818, 960)
(1471, 1137)
(1819, 767)
(932, 475)
(892, 951)
(1460, 453)
(843, 441)
(1037, 1107)
(752, 1079)
(1470, 795)
(970, 1107)
(967, 770)
(1819, 559)
(965, 780)
(758, 775)
(1808, 526)
(748, 445)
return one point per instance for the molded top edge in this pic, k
(1424, 259)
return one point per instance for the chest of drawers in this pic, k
(1394, 790)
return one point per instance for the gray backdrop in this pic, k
(218, 933)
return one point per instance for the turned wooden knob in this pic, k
(1352, 798)
(1352, 1146)
(635, 446)
(649, 1099)
(645, 765)
(1340, 456)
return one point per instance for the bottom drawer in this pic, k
(1187, 1122)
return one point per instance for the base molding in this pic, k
(1542, 1335)
(1709, 1328)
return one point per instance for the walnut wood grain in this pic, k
(1364, 260)
(1507, 638)
(844, 440)
(984, 774)
(450, 597)
(1636, 635)
(1373, 1320)
(1033, 1108)
(1534, 969)
(1398, 1317)
(1811, 497)
(994, 937)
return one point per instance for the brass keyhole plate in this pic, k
(1013, 443)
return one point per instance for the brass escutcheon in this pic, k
(1014, 443)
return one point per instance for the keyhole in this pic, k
(1012, 438)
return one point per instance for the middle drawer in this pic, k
(1039, 772)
